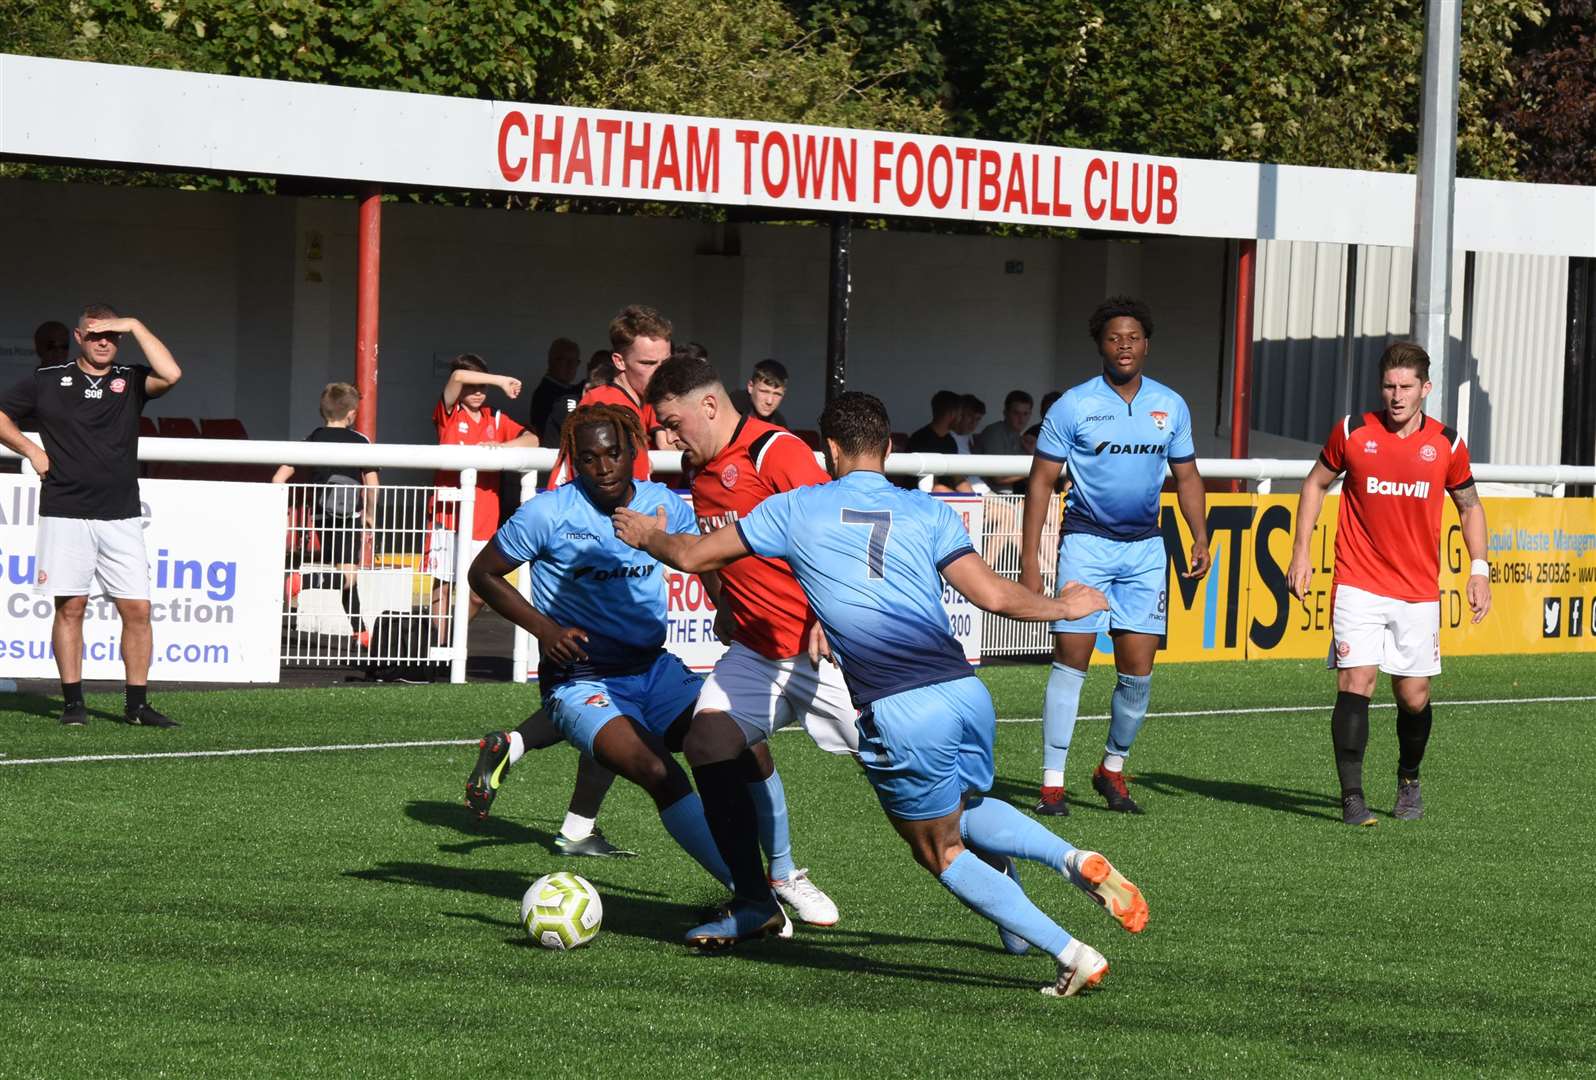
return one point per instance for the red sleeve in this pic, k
(787, 463)
(1459, 474)
(1334, 454)
(440, 419)
(508, 429)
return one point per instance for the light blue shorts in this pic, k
(1133, 574)
(654, 698)
(925, 748)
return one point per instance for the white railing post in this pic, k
(522, 648)
(460, 613)
(1266, 485)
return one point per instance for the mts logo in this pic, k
(1418, 489)
(1129, 448)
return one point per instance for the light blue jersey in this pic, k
(868, 555)
(583, 576)
(1116, 454)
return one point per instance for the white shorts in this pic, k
(440, 553)
(1400, 637)
(72, 552)
(764, 695)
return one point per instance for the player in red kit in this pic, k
(771, 675)
(641, 340)
(1385, 610)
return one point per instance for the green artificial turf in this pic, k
(339, 914)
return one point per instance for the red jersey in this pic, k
(613, 395)
(1388, 534)
(457, 428)
(766, 603)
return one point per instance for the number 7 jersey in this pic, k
(869, 556)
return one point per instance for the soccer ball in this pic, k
(561, 911)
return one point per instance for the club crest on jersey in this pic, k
(1159, 419)
(1343, 649)
(118, 385)
(728, 476)
(1426, 452)
(597, 701)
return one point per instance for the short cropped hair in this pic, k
(680, 376)
(1016, 397)
(601, 367)
(468, 362)
(1406, 354)
(692, 350)
(1118, 307)
(638, 321)
(96, 311)
(337, 398)
(944, 402)
(973, 404)
(857, 422)
(770, 372)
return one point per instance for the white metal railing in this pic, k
(390, 573)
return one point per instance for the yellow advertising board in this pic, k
(1543, 581)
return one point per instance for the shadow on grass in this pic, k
(636, 913)
(482, 832)
(1316, 804)
(1023, 795)
(47, 707)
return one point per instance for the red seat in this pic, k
(177, 427)
(229, 428)
(147, 428)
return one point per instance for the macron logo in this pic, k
(1418, 489)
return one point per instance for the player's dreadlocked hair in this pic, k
(624, 420)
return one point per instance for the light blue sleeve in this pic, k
(680, 516)
(949, 540)
(767, 530)
(523, 537)
(1058, 431)
(1181, 447)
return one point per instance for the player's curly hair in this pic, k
(858, 423)
(624, 420)
(1118, 307)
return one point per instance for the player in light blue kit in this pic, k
(872, 559)
(598, 612)
(1115, 432)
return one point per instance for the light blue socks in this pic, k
(684, 820)
(1000, 898)
(995, 827)
(1060, 704)
(1128, 709)
(770, 801)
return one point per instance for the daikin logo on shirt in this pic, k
(1418, 489)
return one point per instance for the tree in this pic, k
(1551, 109)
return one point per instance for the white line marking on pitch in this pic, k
(174, 754)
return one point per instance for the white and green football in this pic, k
(561, 911)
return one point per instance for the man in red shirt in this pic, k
(464, 418)
(770, 676)
(641, 340)
(1385, 612)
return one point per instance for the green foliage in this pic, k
(1551, 108)
(750, 60)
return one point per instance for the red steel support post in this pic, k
(368, 291)
(1241, 378)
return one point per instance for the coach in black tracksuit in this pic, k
(87, 412)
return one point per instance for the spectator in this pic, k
(767, 386)
(90, 525)
(52, 343)
(556, 396)
(1007, 436)
(937, 437)
(972, 410)
(464, 418)
(600, 372)
(342, 495)
(640, 338)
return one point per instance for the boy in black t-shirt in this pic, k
(342, 508)
(90, 525)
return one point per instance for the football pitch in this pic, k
(337, 912)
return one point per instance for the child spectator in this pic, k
(766, 387)
(341, 506)
(464, 418)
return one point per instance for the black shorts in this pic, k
(340, 543)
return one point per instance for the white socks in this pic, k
(1052, 777)
(577, 827)
(1113, 762)
(517, 747)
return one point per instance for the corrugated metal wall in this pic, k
(1513, 409)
